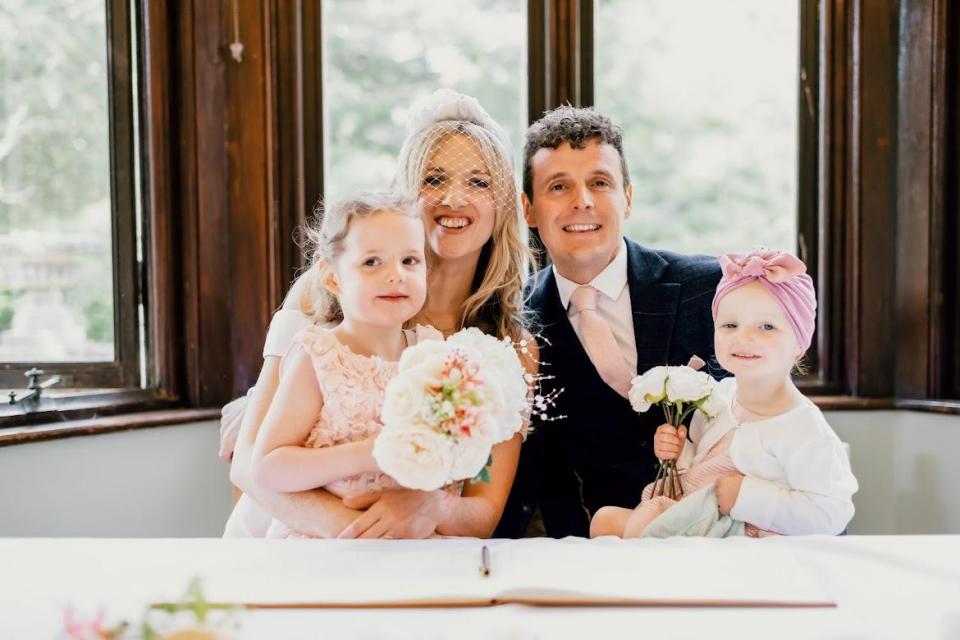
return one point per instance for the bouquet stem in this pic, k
(668, 481)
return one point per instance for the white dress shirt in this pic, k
(613, 303)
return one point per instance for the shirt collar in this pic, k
(610, 282)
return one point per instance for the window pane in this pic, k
(706, 93)
(381, 55)
(56, 281)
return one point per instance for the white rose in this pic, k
(470, 454)
(686, 385)
(648, 389)
(504, 421)
(714, 404)
(402, 400)
(424, 361)
(416, 456)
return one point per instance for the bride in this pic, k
(457, 161)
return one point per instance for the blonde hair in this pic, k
(496, 304)
(325, 235)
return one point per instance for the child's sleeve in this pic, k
(818, 495)
(284, 326)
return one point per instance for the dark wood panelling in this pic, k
(311, 61)
(126, 294)
(560, 54)
(536, 59)
(216, 236)
(251, 179)
(836, 253)
(809, 143)
(297, 65)
(946, 343)
(825, 79)
(920, 151)
(873, 194)
(951, 231)
(162, 220)
(188, 205)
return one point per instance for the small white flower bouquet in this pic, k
(449, 403)
(679, 391)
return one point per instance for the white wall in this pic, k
(908, 466)
(168, 482)
(158, 482)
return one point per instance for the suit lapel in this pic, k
(654, 306)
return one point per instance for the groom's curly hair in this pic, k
(574, 125)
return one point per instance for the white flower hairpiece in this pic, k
(446, 105)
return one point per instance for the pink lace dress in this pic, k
(353, 388)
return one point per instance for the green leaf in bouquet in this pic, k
(484, 475)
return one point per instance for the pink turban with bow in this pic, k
(784, 276)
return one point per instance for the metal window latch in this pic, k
(35, 388)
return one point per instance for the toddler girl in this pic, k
(769, 463)
(371, 279)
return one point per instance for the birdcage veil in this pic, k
(455, 154)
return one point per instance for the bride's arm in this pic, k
(316, 513)
(477, 511)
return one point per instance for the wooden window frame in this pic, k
(92, 389)
(849, 176)
(567, 27)
(231, 158)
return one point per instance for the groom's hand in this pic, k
(403, 513)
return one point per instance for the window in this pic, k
(236, 151)
(68, 228)
(382, 55)
(719, 105)
(706, 94)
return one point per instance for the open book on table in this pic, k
(533, 572)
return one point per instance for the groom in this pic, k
(606, 309)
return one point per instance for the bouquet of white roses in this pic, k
(679, 391)
(449, 403)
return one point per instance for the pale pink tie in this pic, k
(605, 354)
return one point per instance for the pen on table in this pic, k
(485, 560)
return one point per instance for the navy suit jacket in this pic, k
(600, 453)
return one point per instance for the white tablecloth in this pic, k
(884, 587)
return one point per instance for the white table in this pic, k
(884, 587)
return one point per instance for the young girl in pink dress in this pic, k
(321, 425)
(769, 463)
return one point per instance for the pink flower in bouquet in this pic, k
(76, 628)
(459, 391)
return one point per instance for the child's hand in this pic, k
(668, 441)
(727, 488)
